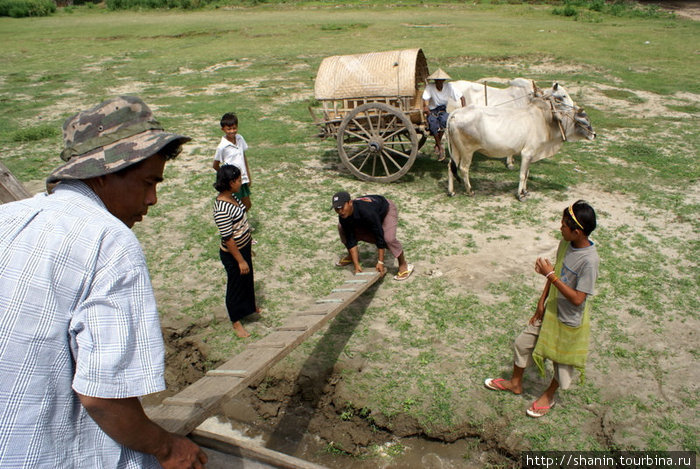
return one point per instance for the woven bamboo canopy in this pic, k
(390, 73)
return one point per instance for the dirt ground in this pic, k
(315, 399)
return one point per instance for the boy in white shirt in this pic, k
(231, 150)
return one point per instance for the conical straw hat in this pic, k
(439, 74)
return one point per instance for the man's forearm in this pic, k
(380, 254)
(126, 423)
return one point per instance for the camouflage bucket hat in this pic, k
(109, 137)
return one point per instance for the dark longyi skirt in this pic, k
(240, 289)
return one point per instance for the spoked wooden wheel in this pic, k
(377, 142)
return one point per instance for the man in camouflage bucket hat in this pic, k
(80, 338)
(111, 136)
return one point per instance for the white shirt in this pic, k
(77, 315)
(230, 153)
(437, 97)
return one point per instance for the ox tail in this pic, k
(451, 167)
(448, 147)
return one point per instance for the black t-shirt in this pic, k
(368, 213)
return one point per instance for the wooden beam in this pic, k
(186, 410)
(239, 447)
(10, 188)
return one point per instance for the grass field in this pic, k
(425, 345)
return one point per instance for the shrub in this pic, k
(25, 8)
(597, 5)
(614, 8)
(152, 4)
(568, 10)
(31, 134)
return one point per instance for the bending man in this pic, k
(373, 219)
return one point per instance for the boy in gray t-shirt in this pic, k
(580, 271)
(577, 279)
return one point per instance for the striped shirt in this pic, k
(77, 315)
(232, 222)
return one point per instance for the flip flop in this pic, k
(537, 411)
(405, 274)
(495, 384)
(343, 262)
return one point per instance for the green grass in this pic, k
(261, 62)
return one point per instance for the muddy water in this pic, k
(400, 453)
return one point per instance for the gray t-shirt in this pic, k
(579, 271)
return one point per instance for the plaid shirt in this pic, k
(77, 315)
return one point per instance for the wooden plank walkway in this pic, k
(183, 412)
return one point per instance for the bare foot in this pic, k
(258, 310)
(439, 152)
(240, 330)
(500, 384)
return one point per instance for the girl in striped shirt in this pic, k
(235, 252)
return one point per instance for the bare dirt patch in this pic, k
(684, 9)
(637, 103)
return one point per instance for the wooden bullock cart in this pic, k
(372, 104)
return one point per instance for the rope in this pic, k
(529, 95)
(555, 116)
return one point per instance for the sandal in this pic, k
(343, 262)
(495, 385)
(405, 274)
(539, 411)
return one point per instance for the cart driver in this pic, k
(435, 98)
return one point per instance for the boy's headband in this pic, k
(571, 212)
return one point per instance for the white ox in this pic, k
(535, 132)
(518, 94)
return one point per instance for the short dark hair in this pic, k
(585, 215)
(168, 152)
(229, 119)
(225, 175)
(171, 150)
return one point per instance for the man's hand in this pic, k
(184, 454)
(380, 267)
(126, 423)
